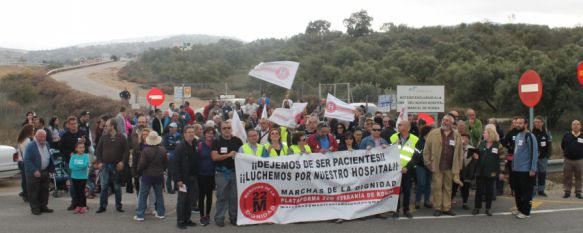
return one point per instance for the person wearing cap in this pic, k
(170, 140)
(153, 161)
(252, 147)
(407, 143)
(322, 141)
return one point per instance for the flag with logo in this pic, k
(281, 73)
(238, 128)
(298, 110)
(337, 109)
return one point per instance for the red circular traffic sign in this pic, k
(155, 97)
(530, 88)
(580, 72)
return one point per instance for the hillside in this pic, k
(479, 64)
(106, 49)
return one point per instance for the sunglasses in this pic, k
(226, 128)
(376, 129)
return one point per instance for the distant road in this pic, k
(101, 80)
(79, 79)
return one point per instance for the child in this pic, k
(79, 164)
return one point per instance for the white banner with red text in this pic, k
(317, 187)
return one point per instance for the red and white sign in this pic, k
(337, 109)
(298, 188)
(530, 88)
(155, 97)
(281, 73)
(580, 72)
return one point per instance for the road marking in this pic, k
(495, 214)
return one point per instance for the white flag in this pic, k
(336, 108)
(298, 111)
(283, 117)
(281, 73)
(238, 128)
(403, 116)
(264, 112)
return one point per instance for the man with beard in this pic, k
(524, 167)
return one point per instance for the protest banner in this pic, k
(281, 73)
(338, 109)
(316, 187)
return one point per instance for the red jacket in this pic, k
(314, 143)
(191, 113)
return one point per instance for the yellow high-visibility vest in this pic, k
(273, 153)
(407, 150)
(297, 150)
(248, 150)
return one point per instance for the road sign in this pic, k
(530, 88)
(187, 92)
(155, 97)
(580, 72)
(387, 103)
(421, 98)
(178, 93)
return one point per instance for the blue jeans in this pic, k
(22, 179)
(541, 175)
(143, 198)
(109, 174)
(423, 185)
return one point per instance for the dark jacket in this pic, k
(490, 161)
(32, 159)
(572, 146)
(158, 126)
(544, 143)
(112, 149)
(153, 161)
(186, 159)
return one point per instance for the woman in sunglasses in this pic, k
(275, 147)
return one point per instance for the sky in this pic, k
(42, 24)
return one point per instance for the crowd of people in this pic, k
(178, 150)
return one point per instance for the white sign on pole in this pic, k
(421, 98)
(178, 95)
(318, 187)
(387, 103)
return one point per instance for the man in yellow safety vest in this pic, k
(252, 147)
(407, 145)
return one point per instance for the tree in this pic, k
(359, 24)
(318, 27)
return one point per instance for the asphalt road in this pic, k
(552, 214)
(79, 79)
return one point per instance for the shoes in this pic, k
(181, 226)
(567, 195)
(522, 216)
(475, 211)
(84, 210)
(77, 210)
(36, 212)
(408, 214)
(234, 222)
(204, 220)
(47, 210)
(138, 219)
(437, 213)
(542, 194)
(396, 215)
(465, 207)
(428, 206)
(119, 209)
(100, 210)
(488, 213)
(515, 211)
(449, 212)
(220, 224)
(159, 217)
(190, 223)
(71, 207)
(578, 196)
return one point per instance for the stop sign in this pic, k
(155, 97)
(580, 72)
(530, 88)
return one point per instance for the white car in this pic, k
(8, 162)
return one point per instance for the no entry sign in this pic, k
(530, 88)
(155, 97)
(580, 72)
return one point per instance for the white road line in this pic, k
(495, 214)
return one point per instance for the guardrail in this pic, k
(555, 165)
(54, 71)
